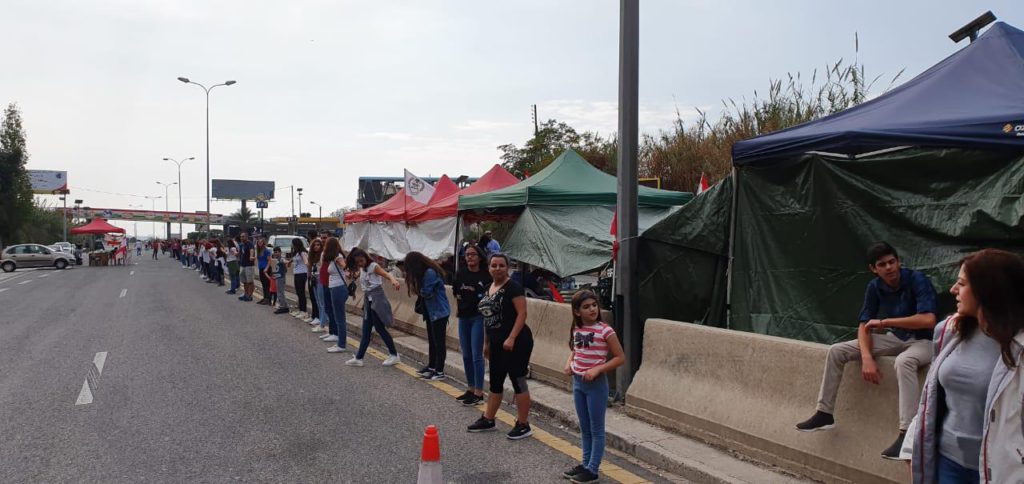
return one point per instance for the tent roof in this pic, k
(495, 178)
(367, 213)
(443, 188)
(97, 226)
(972, 99)
(569, 180)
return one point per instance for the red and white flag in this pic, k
(615, 234)
(703, 187)
(417, 189)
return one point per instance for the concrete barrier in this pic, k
(746, 392)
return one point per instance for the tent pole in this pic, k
(732, 246)
(458, 225)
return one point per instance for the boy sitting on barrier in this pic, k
(896, 320)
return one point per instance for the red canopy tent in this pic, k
(444, 188)
(98, 226)
(448, 206)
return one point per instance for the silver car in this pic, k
(33, 255)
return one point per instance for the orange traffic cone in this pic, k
(430, 458)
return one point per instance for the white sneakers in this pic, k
(336, 349)
(354, 362)
(331, 338)
(314, 322)
(391, 360)
(324, 336)
(318, 329)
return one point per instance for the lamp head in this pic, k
(228, 83)
(184, 79)
(190, 158)
(167, 159)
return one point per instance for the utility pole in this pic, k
(536, 133)
(64, 215)
(626, 293)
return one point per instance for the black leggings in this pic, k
(515, 364)
(265, 284)
(314, 308)
(300, 290)
(436, 350)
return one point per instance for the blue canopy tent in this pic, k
(781, 253)
(972, 99)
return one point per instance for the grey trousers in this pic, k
(910, 355)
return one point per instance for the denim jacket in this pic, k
(434, 296)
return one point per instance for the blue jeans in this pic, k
(370, 322)
(949, 472)
(591, 400)
(337, 307)
(324, 299)
(471, 340)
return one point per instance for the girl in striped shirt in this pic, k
(592, 343)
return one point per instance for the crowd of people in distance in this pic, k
(491, 313)
(965, 425)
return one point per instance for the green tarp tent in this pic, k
(569, 180)
(564, 214)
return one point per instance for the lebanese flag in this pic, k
(615, 233)
(703, 187)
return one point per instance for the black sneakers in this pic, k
(584, 476)
(435, 375)
(520, 431)
(464, 396)
(425, 372)
(819, 421)
(569, 474)
(893, 452)
(482, 424)
(472, 400)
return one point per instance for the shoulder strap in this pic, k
(945, 329)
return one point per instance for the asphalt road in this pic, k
(199, 387)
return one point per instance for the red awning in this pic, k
(495, 178)
(98, 226)
(444, 188)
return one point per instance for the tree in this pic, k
(44, 225)
(243, 217)
(16, 204)
(552, 138)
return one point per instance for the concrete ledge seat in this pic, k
(746, 392)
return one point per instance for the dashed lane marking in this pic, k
(123, 292)
(43, 275)
(4, 289)
(132, 273)
(25, 282)
(614, 472)
(92, 379)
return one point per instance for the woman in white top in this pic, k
(336, 293)
(232, 258)
(298, 260)
(376, 308)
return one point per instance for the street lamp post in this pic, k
(166, 206)
(176, 162)
(64, 216)
(207, 91)
(153, 207)
(319, 219)
(300, 201)
(135, 223)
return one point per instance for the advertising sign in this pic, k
(48, 181)
(243, 190)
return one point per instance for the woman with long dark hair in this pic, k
(425, 278)
(508, 347)
(376, 308)
(233, 267)
(316, 248)
(950, 417)
(998, 286)
(333, 261)
(298, 259)
(471, 283)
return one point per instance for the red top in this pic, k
(324, 276)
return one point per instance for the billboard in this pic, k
(243, 190)
(48, 181)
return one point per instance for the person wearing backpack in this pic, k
(425, 278)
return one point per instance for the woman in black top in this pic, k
(471, 283)
(508, 346)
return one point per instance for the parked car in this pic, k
(285, 242)
(33, 255)
(70, 250)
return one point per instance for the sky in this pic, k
(328, 91)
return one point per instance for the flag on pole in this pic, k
(615, 233)
(703, 187)
(417, 189)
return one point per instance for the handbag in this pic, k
(351, 285)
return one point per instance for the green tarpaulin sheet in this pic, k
(569, 240)
(569, 180)
(803, 227)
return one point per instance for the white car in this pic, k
(285, 242)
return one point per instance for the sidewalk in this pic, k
(684, 457)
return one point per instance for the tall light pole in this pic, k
(177, 162)
(135, 223)
(300, 203)
(153, 208)
(321, 213)
(166, 207)
(64, 216)
(207, 91)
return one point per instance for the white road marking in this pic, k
(123, 292)
(4, 289)
(85, 395)
(25, 282)
(43, 275)
(132, 273)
